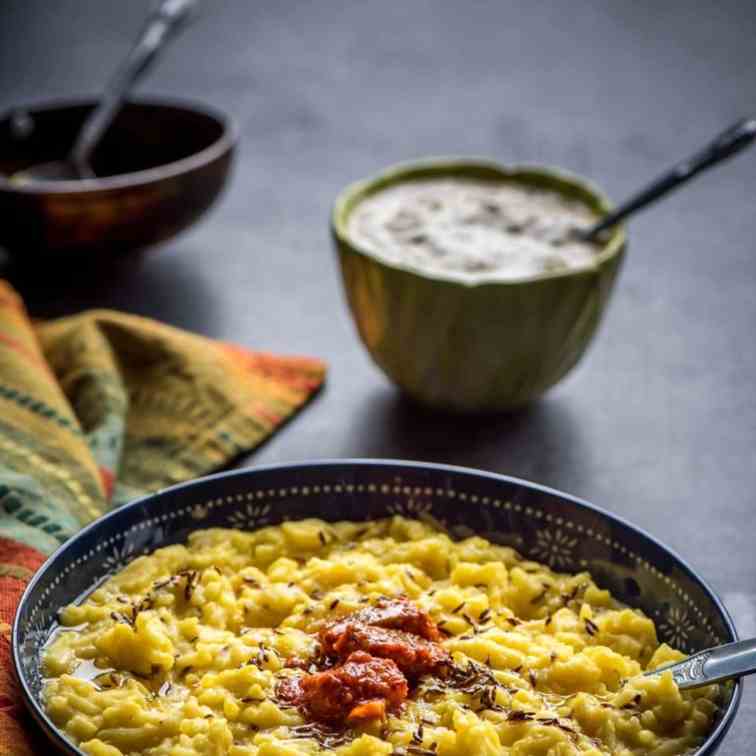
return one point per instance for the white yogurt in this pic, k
(474, 228)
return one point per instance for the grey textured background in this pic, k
(658, 422)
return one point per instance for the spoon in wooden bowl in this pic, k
(712, 665)
(729, 142)
(161, 26)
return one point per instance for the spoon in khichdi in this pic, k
(712, 665)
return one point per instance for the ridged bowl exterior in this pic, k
(492, 345)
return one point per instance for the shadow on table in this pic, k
(164, 284)
(539, 442)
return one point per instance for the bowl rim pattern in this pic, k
(224, 144)
(318, 465)
(350, 197)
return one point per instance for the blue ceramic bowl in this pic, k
(552, 527)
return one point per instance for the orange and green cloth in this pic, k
(101, 407)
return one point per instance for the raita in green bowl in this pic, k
(467, 282)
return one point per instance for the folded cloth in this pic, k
(101, 407)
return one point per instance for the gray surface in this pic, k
(658, 422)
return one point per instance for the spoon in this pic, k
(712, 665)
(730, 141)
(161, 26)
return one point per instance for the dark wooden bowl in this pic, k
(160, 167)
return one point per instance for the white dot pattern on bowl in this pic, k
(257, 515)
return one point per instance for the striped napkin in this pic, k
(101, 407)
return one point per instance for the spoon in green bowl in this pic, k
(729, 142)
(712, 665)
(161, 26)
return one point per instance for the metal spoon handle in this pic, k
(713, 665)
(734, 139)
(161, 26)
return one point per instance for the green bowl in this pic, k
(474, 346)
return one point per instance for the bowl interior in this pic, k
(543, 524)
(566, 184)
(144, 135)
